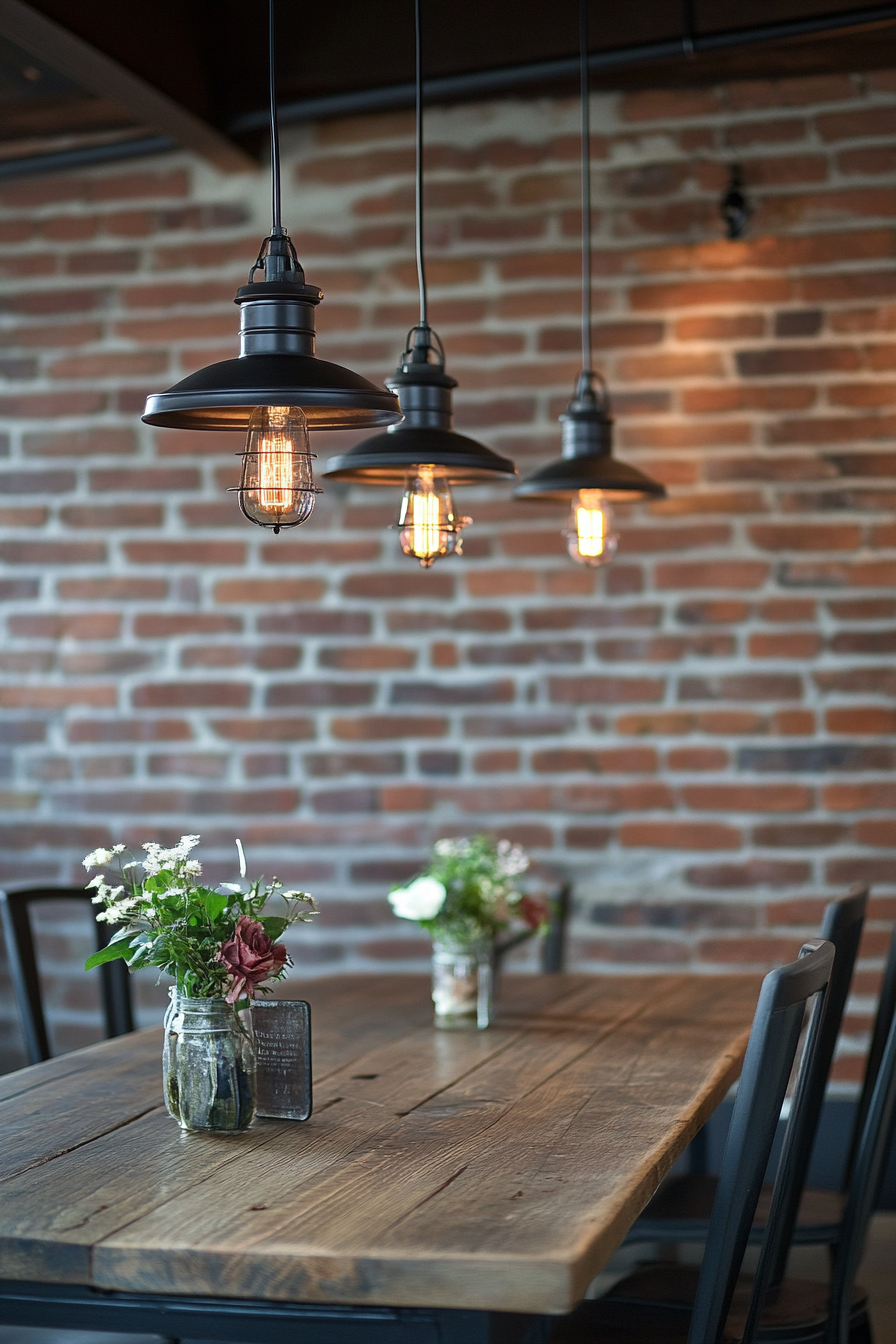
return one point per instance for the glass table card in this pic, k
(282, 1029)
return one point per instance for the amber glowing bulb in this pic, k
(427, 526)
(589, 535)
(277, 484)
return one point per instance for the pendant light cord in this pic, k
(277, 226)
(418, 127)
(586, 184)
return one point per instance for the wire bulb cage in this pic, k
(428, 527)
(276, 486)
(590, 538)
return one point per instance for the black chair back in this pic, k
(868, 1172)
(886, 1008)
(763, 1084)
(553, 948)
(114, 977)
(842, 925)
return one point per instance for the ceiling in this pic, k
(86, 80)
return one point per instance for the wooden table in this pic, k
(443, 1179)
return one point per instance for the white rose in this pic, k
(423, 899)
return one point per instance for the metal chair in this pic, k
(680, 1210)
(115, 981)
(795, 1311)
(553, 949)
(699, 1312)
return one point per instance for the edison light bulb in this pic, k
(589, 536)
(427, 527)
(277, 485)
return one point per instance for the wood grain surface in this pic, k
(493, 1170)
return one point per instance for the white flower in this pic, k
(453, 847)
(230, 886)
(423, 899)
(158, 858)
(95, 881)
(118, 849)
(512, 859)
(193, 867)
(98, 856)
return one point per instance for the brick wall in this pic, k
(703, 734)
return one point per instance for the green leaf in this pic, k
(215, 904)
(273, 925)
(110, 953)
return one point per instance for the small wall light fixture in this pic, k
(734, 207)
(276, 388)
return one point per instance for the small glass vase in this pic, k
(208, 1065)
(461, 982)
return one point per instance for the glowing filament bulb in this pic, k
(590, 539)
(277, 485)
(427, 527)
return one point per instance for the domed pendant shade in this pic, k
(277, 365)
(587, 447)
(587, 473)
(426, 434)
(423, 453)
(276, 389)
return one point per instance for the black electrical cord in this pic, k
(418, 126)
(276, 227)
(586, 184)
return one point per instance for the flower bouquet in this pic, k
(222, 950)
(468, 894)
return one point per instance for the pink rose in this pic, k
(533, 910)
(250, 956)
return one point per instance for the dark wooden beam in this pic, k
(100, 74)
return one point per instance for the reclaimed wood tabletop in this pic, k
(494, 1170)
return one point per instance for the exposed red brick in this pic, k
(253, 591)
(183, 694)
(767, 797)
(874, 719)
(693, 835)
(674, 575)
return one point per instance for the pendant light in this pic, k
(588, 474)
(276, 389)
(423, 453)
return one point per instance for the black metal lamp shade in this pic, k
(588, 462)
(425, 436)
(276, 367)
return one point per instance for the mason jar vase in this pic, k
(208, 1065)
(461, 982)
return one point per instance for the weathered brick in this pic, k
(604, 690)
(692, 835)
(772, 797)
(383, 727)
(187, 694)
(746, 686)
(738, 574)
(268, 729)
(818, 757)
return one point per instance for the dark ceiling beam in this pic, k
(482, 83)
(100, 74)
(82, 156)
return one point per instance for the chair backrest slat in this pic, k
(19, 938)
(886, 1008)
(771, 1051)
(870, 1161)
(842, 925)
